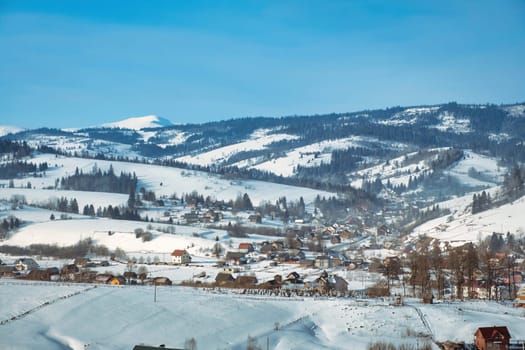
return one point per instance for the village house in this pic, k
(224, 279)
(26, 264)
(322, 262)
(246, 247)
(246, 281)
(331, 283)
(82, 262)
(235, 258)
(492, 338)
(256, 218)
(274, 283)
(161, 281)
(103, 278)
(68, 272)
(192, 217)
(293, 281)
(180, 257)
(7, 271)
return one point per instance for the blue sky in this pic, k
(82, 63)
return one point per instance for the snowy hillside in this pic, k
(81, 316)
(258, 140)
(165, 181)
(139, 123)
(5, 130)
(462, 226)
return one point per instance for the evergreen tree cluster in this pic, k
(64, 205)
(481, 202)
(242, 203)
(18, 168)
(16, 149)
(8, 224)
(82, 248)
(446, 158)
(100, 181)
(117, 213)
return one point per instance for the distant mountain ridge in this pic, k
(418, 145)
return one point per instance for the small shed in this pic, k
(492, 338)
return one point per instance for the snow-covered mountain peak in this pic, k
(138, 123)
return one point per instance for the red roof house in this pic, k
(180, 256)
(492, 338)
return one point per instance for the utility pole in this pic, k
(154, 291)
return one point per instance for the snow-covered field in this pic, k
(465, 226)
(82, 317)
(165, 181)
(257, 141)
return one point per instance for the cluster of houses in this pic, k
(325, 284)
(78, 271)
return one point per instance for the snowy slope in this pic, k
(138, 123)
(259, 139)
(464, 226)
(168, 181)
(121, 317)
(4, 130)
(315, 154)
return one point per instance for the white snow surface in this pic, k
(449, 122)
(5, 130)
(316, 153)
(257, 141)
(138, 123)
(516, 111)
(166, 181)
(463, 226)
(490, 173)
(61, 316)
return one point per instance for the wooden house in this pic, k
(235, 258)
(68, 272)
(246, 247)
(38, 275)
(224, 279)
(26, 264)
(246, 281)
(161, 281)
(256, 219)
(7, 270)
(492, 338)
(103, 278)
(180, 257)
(327, 283)
(274, 283)
(82, 262)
